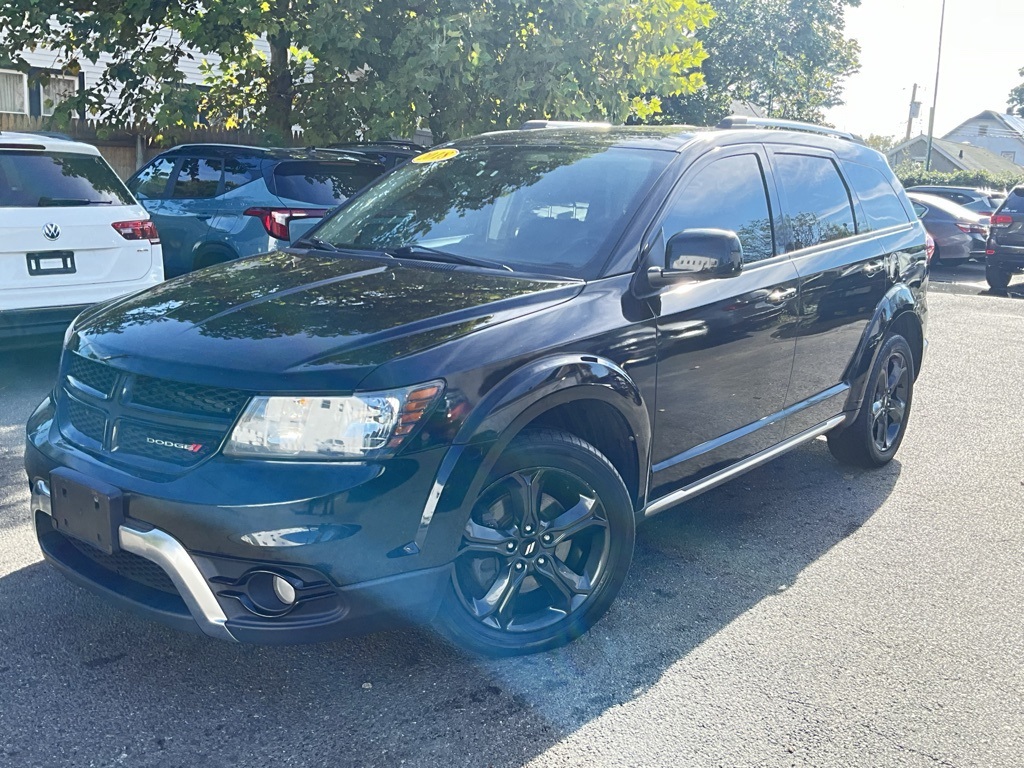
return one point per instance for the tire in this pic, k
(876, 434)
(998, 279)
(545, 551)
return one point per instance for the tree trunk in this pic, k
(280, 86)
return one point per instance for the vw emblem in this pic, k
(51, 231)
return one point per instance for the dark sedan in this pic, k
(959, 233)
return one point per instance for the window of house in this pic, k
(983, 130)
(57, 89)
(13, 92)
(819, 203)
(1011, 156)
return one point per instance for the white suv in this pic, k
(71, 235)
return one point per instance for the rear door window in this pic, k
(151, 183)
(50, 179)
(819, 209)
(198, 178)
(322, 183)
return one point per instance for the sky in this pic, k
(982, 54)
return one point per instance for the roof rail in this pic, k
(738, 121)
(530, 125)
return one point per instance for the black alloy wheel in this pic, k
(545, 550)
(876, 434)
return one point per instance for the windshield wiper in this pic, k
(415, 251)
(316, 242)
(47, 202)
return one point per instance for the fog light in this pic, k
(284, 591)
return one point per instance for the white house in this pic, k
(1000, 134)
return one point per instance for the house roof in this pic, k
(1014, 123)
(965, 156)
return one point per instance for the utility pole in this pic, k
(915, 111)
(935, 96)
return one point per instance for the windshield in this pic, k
(552, 210)
(42, 179)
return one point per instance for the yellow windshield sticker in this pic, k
(436, 156)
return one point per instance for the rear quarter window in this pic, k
(322, 183)
(878, 198)
(51, 179)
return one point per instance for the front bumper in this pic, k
(188, 557)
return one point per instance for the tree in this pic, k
(339, 66)
(1016, 100)
(882, 143)
(788, 57)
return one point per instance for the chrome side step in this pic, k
(727, 474)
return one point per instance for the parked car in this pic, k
(214, 202)
(71, 235)
(389, 153)
(977, 199)
(1005, 252)
(463, 392)
(960, 234)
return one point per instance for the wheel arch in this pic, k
(899, 311)
(584, 395)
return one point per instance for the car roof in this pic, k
(944, 204)
(48, 143)
(672, 138)
(269, 153)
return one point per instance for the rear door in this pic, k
(844, 273)
(56, 215)
(183, 216)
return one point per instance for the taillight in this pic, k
(276, 220)
(137, 230)
(1001, 220)
(973, 229)
(929, 247)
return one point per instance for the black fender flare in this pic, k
(503, 412)
(898, 302)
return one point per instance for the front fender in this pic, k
(510, 406)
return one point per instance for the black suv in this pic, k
(457, 398)
(1005, 254)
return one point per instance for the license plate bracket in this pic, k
(51, 263)
(87, 509)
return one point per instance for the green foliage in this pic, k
(882, 143)
(788, 57)
(914, 174)
(338, 67)
(1016, 100)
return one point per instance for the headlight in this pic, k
(360, 426)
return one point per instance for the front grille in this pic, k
(158, 424)
(128, 566)
(93, 374)
(187, 398)
(90, 421)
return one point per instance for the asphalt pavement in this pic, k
(803, 615)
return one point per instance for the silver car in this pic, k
(959, 233)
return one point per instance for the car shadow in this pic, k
(110, 686)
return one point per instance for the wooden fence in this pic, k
(127, 148)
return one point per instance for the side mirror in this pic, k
(699, 254)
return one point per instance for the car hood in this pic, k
(285, 320)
